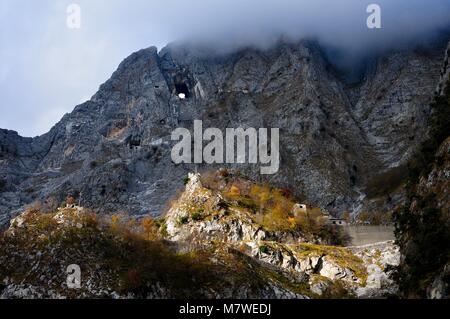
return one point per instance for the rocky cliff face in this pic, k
(423, 231)
(113, 152)
(423, 224)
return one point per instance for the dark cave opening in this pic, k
(134, 142)
(182, 88)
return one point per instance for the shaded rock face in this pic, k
(439, 288)
(113, 152)
(423, 223)
(431, 210)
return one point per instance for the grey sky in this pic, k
(47, 69)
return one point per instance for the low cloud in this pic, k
(47, 68)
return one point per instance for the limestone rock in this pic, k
(113, 152)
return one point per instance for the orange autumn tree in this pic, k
(149, 228)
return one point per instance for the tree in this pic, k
(149, 228)
(115, 222)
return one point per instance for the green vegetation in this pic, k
(340, 255)
(197, 215)
(264, 249)
(423, 236)
(422, 228)
(183, 220)
(186, 180)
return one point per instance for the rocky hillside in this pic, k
(341, 143)
(423, 232)
(208, 245)
(303, 245)
(423, 223)
(118, 260)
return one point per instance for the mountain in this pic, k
(344, 146)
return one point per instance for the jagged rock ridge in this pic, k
(113, 152)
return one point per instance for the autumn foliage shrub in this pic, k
(273, 208)
(149, 228)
